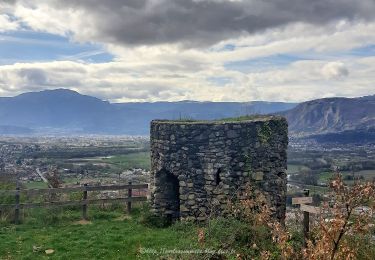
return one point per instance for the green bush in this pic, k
(148, 219)
(366, 246)
(7, 199)
(97, 213)
(7, 213)
(296, 239)
(242, 237)
(75, 196)
(184, 226)
(43, 216)
(116, 205)
(154, 221)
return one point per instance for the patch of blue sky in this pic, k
(227, 47)
(29, 46)
(365, 51)
(220, 81)
(258, 64)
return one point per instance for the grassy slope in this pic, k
(108, 237)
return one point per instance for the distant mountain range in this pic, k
(63, 111)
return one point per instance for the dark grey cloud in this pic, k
(205, 22)
(8, 1)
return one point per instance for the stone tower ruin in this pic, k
(195, 164)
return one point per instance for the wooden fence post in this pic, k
(17, 208)
(129, 196)
(306, 222)
(84, 205)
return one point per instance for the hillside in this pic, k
(332, 116)
(58, 109)
(68, 112)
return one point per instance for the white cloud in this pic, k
(335, 70)
(162, 70)
(119, 81)
(7, 24)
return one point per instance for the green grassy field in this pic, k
(325, 176)
(112, 235)
(296, 168)
(313, 189)
(35, 185)
(129, 161)
(293, 168)
(71, 180)
(367, 174)
(109, 235)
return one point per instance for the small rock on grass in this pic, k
(37, 248)
(49, 251)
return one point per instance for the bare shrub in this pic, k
(345, 221)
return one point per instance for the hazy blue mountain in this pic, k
(335, 119)
(15, 130)
(54, 109)
(66, 111)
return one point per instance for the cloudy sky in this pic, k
(214, 50)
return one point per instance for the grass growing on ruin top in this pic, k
(222, 120)
(245, 118)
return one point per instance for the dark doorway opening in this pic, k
(171, 194)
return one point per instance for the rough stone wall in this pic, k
(196, 166)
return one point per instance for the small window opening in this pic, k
(217, 177)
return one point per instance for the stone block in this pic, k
(258, 176)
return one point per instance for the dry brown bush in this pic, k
(346, 219)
